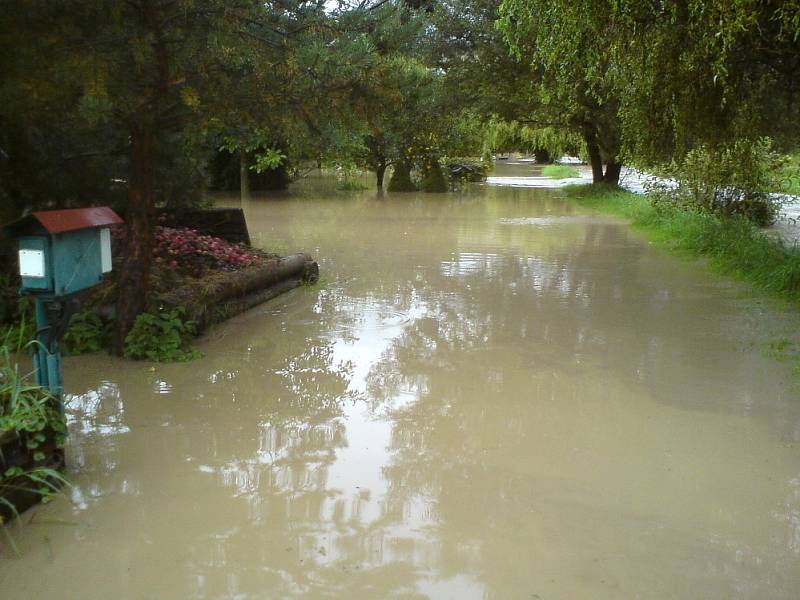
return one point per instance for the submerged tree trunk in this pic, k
(542, 156)
(244, 175)
(401, 178)
(434, 180)
(380, 173)
(134, 276)
(613, 170)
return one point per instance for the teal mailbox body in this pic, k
(62, 252)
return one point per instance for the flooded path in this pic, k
(524, 174)
(493, 394)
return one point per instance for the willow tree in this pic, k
(569, 46)
(650, 80)
(707, 72)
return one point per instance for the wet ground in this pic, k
(492, 394)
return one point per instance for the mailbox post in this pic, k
(61, 252)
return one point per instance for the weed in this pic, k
(351, 185)
(785, 350)
(86, 334)
(29, 414)
(161, 337)
(16, 335)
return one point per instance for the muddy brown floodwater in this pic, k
(493, 394)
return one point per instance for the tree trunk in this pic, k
(134, 276)
(244, 175)
(613, 170)
(401, 178)
(380, 172)
(596, 160)
(542, 156)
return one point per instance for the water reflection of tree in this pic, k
(535, 326)
(294, 524)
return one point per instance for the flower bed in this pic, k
(194, 253)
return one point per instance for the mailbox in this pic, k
(62, 252)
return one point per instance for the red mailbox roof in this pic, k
(71, 219)
(59, 221)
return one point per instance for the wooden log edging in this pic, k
(228, 294)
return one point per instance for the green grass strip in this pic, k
(733, 246)
(560, 172)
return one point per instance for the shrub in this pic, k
(732, 180)
(161, 337)
(86, 334)
(790, 175)
(461, 171)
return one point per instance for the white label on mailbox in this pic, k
(31, 263)
(105, 250)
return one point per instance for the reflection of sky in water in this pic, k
(97, 412)
(471, 263)
(162, 387)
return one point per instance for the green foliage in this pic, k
(461, 171)
(789, 175)
(161, 337)
(560, 172)
(19, 333)
(656, 79)
(86, 333)
(32, 415)
(270, 158)
(24, 408)
(785, 350)
(733, 245)
(512, 136)
(735, 179)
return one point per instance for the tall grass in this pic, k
(733, 245)
(29, 413)
(16, 335)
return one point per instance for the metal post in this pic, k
(47, 357)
